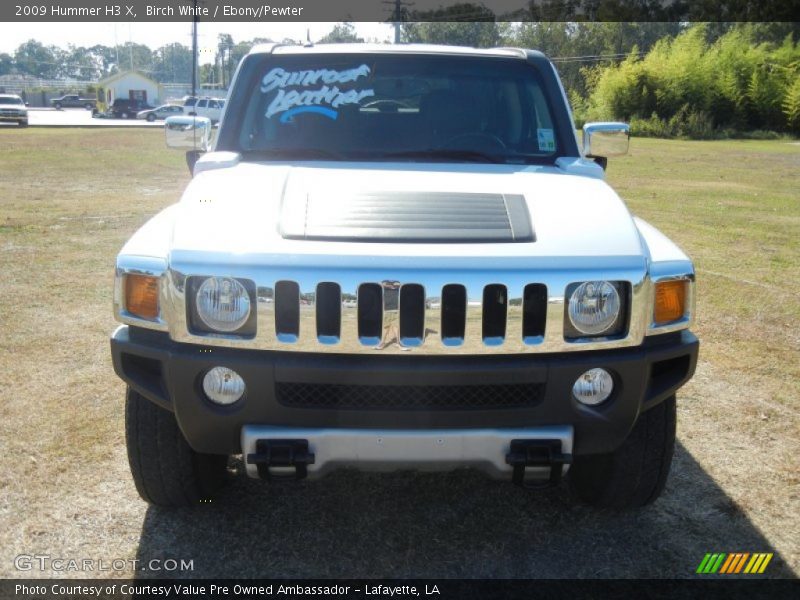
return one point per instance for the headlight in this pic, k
(223, 304)
(594, 307)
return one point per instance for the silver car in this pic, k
(161, 112)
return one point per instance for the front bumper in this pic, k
(16, 118)
(170, 374)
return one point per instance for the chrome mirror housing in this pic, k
(605, 139)
(188, 133)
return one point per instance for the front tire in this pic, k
(166, 471)
(151, 118)
(634, 475)
(23, 123)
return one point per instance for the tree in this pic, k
(33, 58)
(342, 33)
(458, 25)
(136, 57)
(6, 63)
(172, 63)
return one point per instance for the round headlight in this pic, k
(223, 385)
(593, 387)
(593, 307)
(223, 303)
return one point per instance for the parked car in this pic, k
(125, 108)
(210, 108)
(13, 108)
(73, 101)
(161, 112)
(397, 257)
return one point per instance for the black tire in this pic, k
(124, 115)
(166, 471)
(58, 105)
(88, 106)
(23, 123)
(151, 117)
(635, 474)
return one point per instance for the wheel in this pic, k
(88, 106)
(124, 115)
(634, 475)
(23, 123)
(166, 471)
(58, 105)
(151, 117)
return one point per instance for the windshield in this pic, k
(393, 107)
(11, 100)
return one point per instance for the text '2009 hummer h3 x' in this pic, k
(398, 257)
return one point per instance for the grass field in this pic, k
(70, 198)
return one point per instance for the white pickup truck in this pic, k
(211, 108)
(400, 257)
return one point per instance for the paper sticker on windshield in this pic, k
(324, 97)
(547, 142)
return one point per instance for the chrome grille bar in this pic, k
(312, 311)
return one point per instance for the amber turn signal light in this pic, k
(670, 301)
(141, 296)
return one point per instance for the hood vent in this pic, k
(415, 217)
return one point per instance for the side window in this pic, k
(202, 103)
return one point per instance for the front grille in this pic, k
(387, 313)
(408, 397)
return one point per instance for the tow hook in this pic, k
(537, 453)
(281, 454)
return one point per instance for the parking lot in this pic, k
(77, 117)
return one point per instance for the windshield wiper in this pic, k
(444, 154)
(290, 153)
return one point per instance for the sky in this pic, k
(159, 34)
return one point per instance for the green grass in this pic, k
(734, 207)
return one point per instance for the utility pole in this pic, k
(194, 50)
(398, 16)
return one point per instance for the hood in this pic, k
(258, 209)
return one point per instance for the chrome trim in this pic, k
(606, 139)
(555, 277)
(140, 265)
(191, 133)
(673, 271)
(393, 449)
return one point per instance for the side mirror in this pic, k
(602, 140)
(189, 133)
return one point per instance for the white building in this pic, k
(132, 85)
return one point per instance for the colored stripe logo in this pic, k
(733, 563)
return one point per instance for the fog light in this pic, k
(223, 385)
(593, 387)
